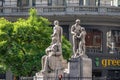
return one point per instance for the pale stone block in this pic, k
(79, 68)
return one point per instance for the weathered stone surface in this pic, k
(79, 68)
(86, 68)
(53, 64)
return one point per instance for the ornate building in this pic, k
(101, 19)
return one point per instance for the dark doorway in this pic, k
(96, 73)
(2, 76)
(113, 75)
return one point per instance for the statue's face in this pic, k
(56, 22)
(77, 21)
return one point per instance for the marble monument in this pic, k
(79, 66)
(53, 64)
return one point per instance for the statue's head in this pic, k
(56, 22)
(77, 21)
(82, 28)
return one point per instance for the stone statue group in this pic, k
(78, 34)
(53, 62)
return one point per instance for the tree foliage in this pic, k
(23, 43)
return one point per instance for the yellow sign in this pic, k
(110, 62)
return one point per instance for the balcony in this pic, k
(61, 10)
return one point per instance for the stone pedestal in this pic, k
(55, 67)
(86, 68)
(9, 75)
(80, 68)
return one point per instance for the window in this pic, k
(73, 2)
(93, 41)
(97, 2)
(118, 3)
(93, 37)
(105, 2)
(87, 2)
(115, 75)
(56, 2)
(80, 2)
(60, 2)
(113, 41)
(49, 2)
(23, 3)
(1, 5)
(114, 2)
(33, 2)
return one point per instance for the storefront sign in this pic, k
(110, 62)
(107, 62)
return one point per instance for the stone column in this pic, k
(104, 41)
(84, 2)
(30, 3)
(80, 68)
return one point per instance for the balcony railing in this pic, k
(60, 10)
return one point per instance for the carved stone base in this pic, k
(55, 67)
(79, 68)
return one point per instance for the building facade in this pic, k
(101, 19)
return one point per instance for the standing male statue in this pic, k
(57, 31)
(75, 31)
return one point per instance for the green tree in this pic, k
(23, 43)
